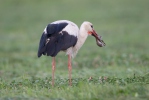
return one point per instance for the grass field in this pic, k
(119, 71)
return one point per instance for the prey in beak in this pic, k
(99, 40)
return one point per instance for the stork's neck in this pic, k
(81, 38)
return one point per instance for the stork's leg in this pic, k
(53, 70)
(69, 69)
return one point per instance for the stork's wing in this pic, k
(60, 42)
(54, 40)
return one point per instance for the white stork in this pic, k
(64, 35)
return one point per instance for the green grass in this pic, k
(119, 71)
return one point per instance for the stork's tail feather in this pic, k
(42, 43)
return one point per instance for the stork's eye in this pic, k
(91, 26)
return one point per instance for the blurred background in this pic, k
(123, 24)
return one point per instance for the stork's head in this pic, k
(90, 30)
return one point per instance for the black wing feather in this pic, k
(68, 40)
(55, 28)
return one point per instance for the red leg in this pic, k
(69, 69)
(53, 70)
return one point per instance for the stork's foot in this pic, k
(70, 82)
(52, 83)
